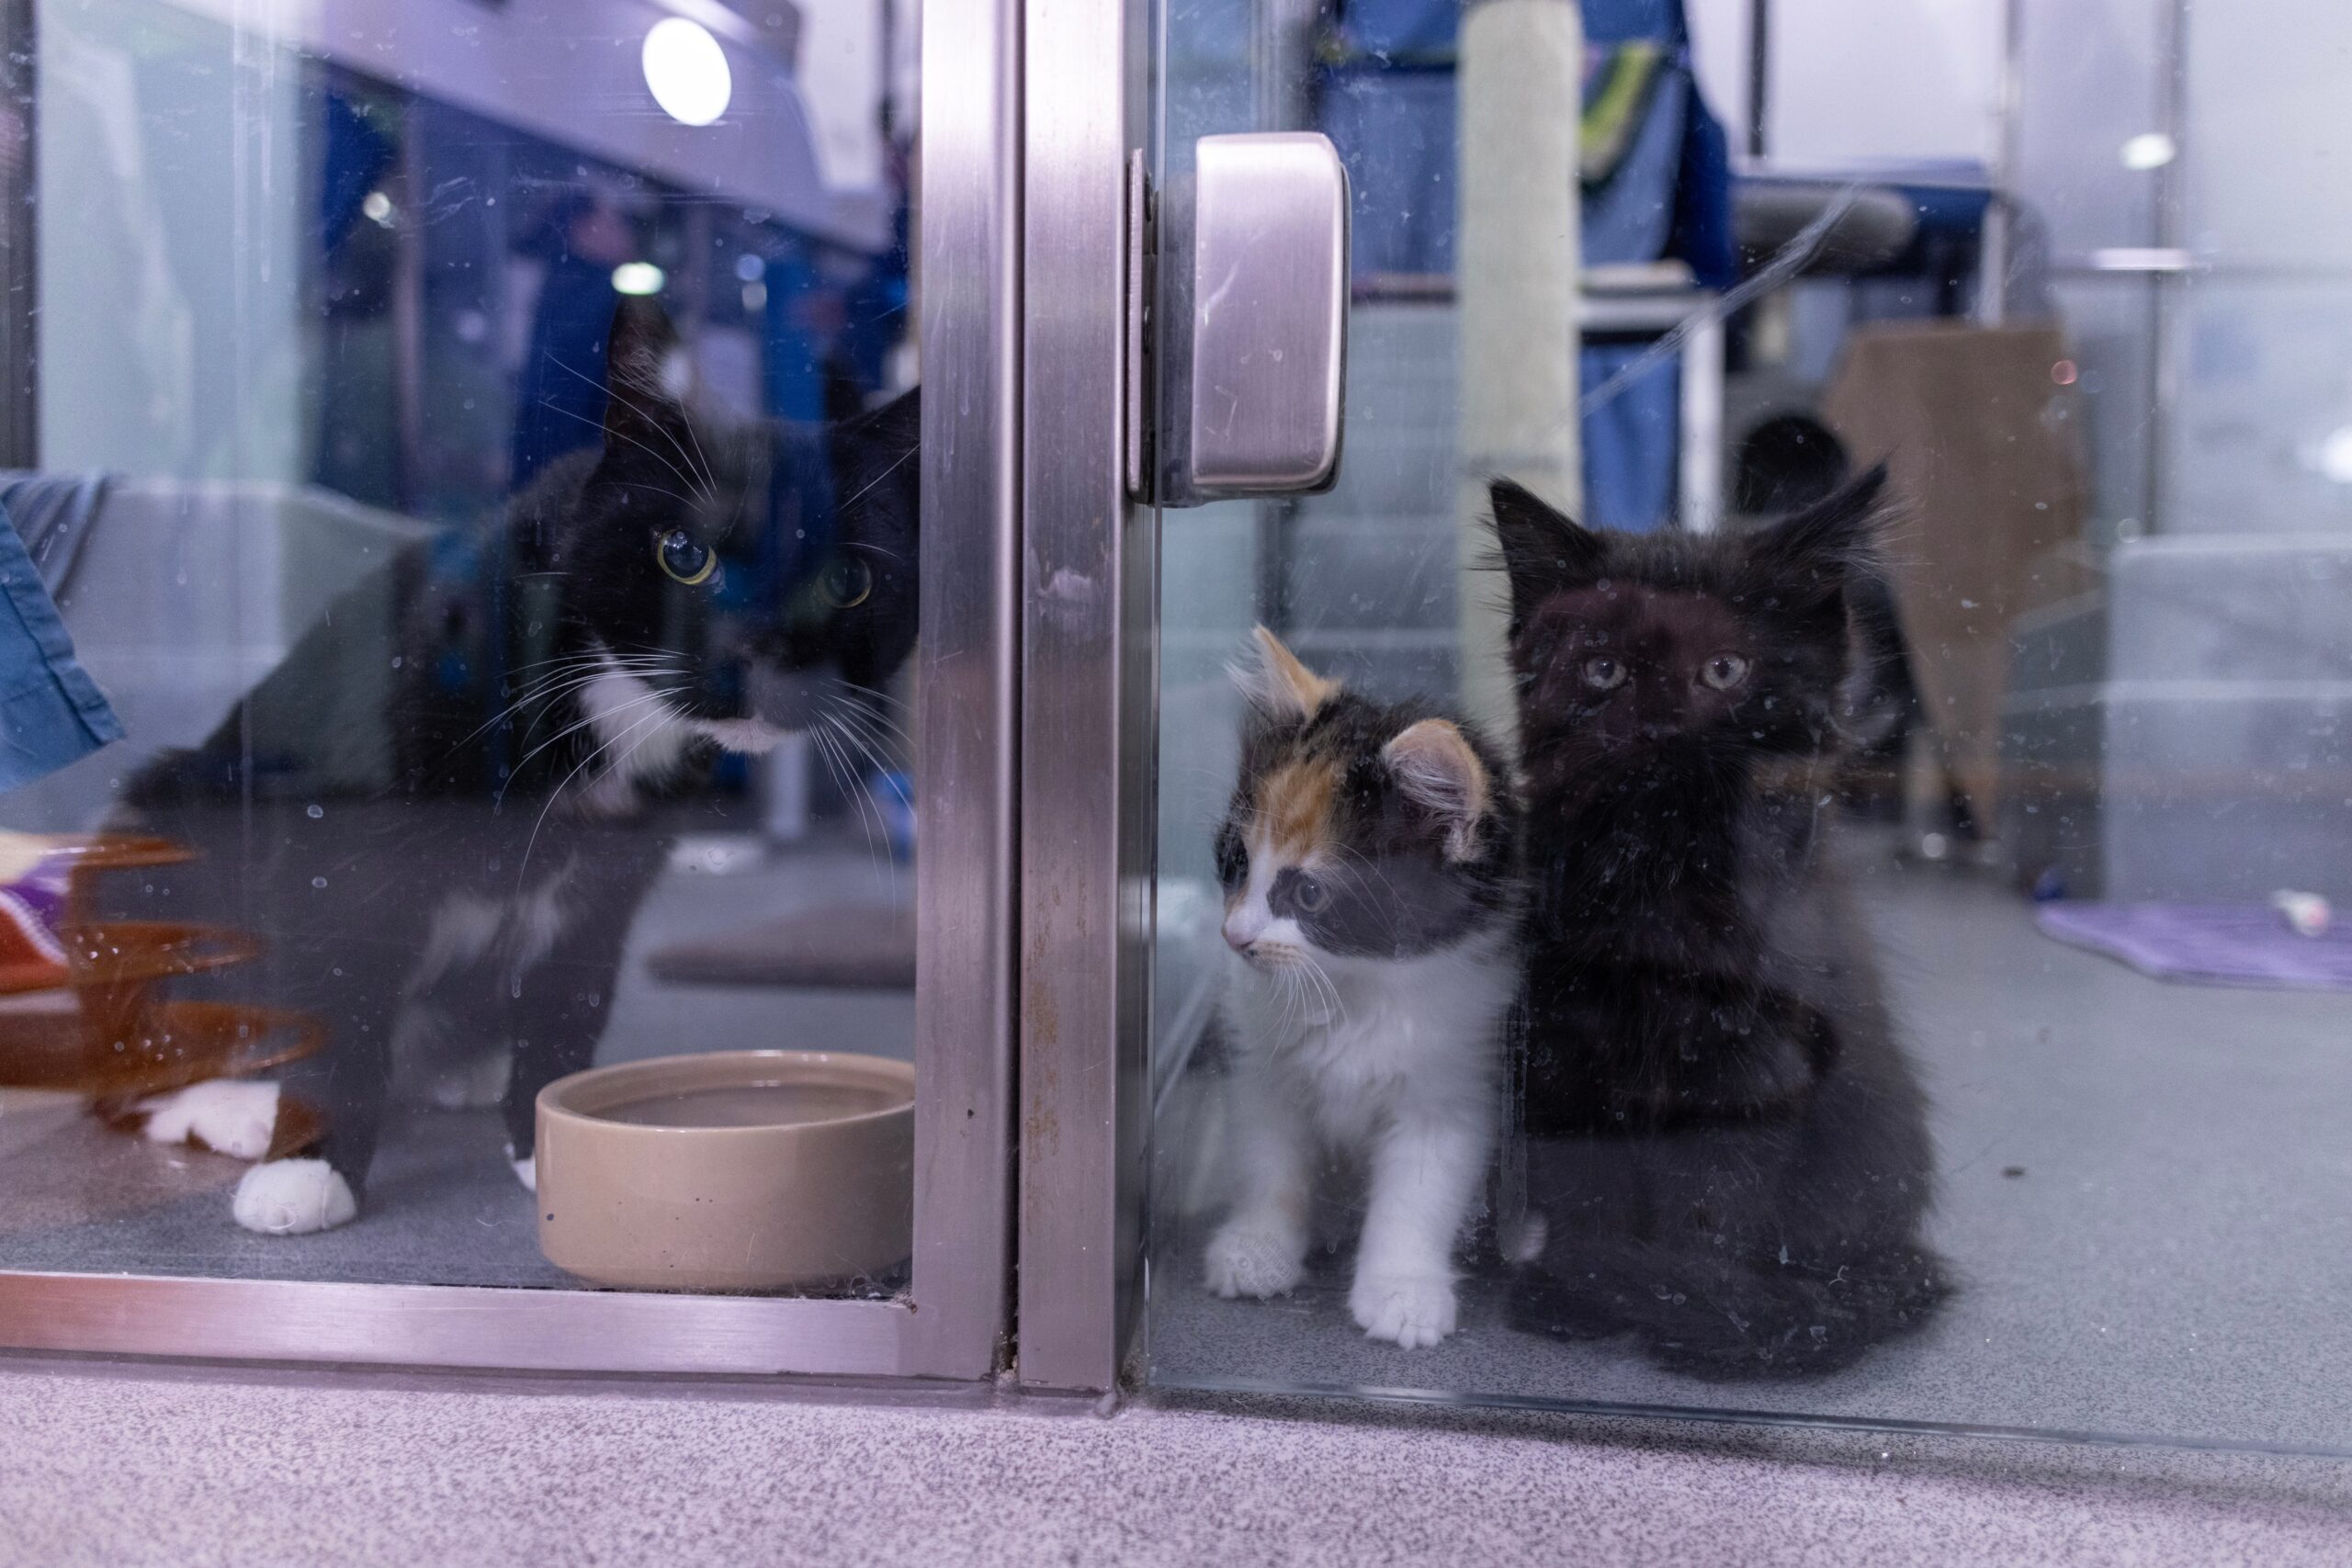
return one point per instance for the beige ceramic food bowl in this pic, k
(736, 1170)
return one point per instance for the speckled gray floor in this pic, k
(2173, 1257)
(192, 1468)
(2174, 1260)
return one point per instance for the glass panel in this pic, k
(475, 461)
(1865, 955)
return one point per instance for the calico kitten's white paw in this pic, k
(527, 1170)
(1413, 1310)
(293, 1197)
(225, 1116)
(1246, 1259)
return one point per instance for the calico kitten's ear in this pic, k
(1433, 764)
(1280, 687)
(645, 374)
(1543, 549)
(1825, 546)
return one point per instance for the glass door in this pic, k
(1777, 845)
(547, 879)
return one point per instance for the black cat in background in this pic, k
(1727, 1147)
(446, 876)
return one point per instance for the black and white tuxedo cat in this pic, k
(446, 872)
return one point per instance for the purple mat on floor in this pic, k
(2213, 944)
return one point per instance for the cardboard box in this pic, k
(1977, 427)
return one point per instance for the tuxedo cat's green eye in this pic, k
(1604, 673)
(684, 558)
(1723, 671)
(846, 583)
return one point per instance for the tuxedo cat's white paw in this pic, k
(293, 1197)
(1246, 1259)
(225, 1116)
(1413, 1310)
(527, 1170)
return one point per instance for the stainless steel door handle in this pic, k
(1253, 253)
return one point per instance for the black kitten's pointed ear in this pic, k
(1543, 550)
(1825, 546)
(644, 373)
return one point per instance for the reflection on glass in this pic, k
(1927, 963)
(504, 564)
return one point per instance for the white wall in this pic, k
(1859, 83)
(2263, 411)
(2269, 149)
(841, 73)
(172, 203)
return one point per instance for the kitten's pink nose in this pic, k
(1238, 937)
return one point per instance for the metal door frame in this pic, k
(1090, 635)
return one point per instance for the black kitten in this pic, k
(435, 833)
(1727, 1147)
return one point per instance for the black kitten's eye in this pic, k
(846, 583)
(1232, 859)
(1604, 673)
(684, 558)
(1723, 671)
(1310, 895)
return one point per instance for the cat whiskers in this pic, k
(1371, 867)
(700, 494)
(581, 672)
(586, 721)
(643, 728)
(585, 668)
(1287, 989)
(556, 793)
(701, 481)
(832, 742)
(865, 735)
(896, 465)
(1305, 985)
(876, 734)
(1327, 988)
(571, 671)
(882, 731)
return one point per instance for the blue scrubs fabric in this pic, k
(52, 713)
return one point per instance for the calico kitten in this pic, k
(1728, 1151)
(446, 868)
(1368, 863)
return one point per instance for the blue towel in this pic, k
(53, 514)
(52, 713)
